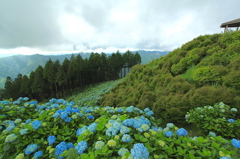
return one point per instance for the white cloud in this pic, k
(52, 26)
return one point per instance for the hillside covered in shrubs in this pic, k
(202, 72)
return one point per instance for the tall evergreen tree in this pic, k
(39, 84)
(1, 93)
(137, 58)
(50, 74)
(17, 86)
(31, 79)
(8, 89)
(25, 89)
(71, 73)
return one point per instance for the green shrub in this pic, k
(206, 75)
(208, 95)
(218, 119)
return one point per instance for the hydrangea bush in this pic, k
(60, 129)
(220, 119)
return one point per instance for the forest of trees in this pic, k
(60, 80)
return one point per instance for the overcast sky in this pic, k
(59, 26)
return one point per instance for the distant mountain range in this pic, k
(24, 64)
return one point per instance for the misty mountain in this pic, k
(24, 64)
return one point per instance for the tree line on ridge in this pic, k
(60, 80)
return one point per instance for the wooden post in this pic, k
(237, 28)
(226, 27)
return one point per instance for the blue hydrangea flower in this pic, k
(111, 131)
(90, 117)
(55, 105)
(130, 109)
(233, 109)
(81, 130)
(52, 100)
(68, 119)
(117, 125)
(28, 121)
(75, 110)
(10, 127)
(144, 120)
(31, 148)
(139, 151)
(99, 145)
(81, 146)
(147, 110)
(182, 132)
(20, 99)
(80, 114)
(122, 151)
(236, 143)
(88, 111)
(92, 127)
(137, 124)
(70, 145)
(23, 131)
(69, 109)
(59, 101)
(64, 115)
(16, 102)
(124, 130)
(38, 154)
(168, 133)
(145, 127)
(55, 115)
(36, 124)
(119, 110)
(33, 102)
(225, 158)
(128, 122)
(149, 113)
(11, 138)
(60, 148)
(231, 120)
(25, 99)
(126, 138)
(212, 134)
(170, 125)
(51, 139)
(72, 103)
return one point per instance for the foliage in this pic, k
(60, 129)
(60, 80)
(92, 94)
(220, 119)
(202, 72)
(206, 75)
(13, 65)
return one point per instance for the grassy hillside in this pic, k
(92, 94)
(203, 71)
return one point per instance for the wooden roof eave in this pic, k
(233, 23)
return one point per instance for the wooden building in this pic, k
(233, 23)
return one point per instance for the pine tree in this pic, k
(8, 89)
(39, 85)
(25, 89)
(17, 86)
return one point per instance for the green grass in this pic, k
(188, 75)
(92, 94)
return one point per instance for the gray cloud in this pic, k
(28, 23)
(140, 24)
